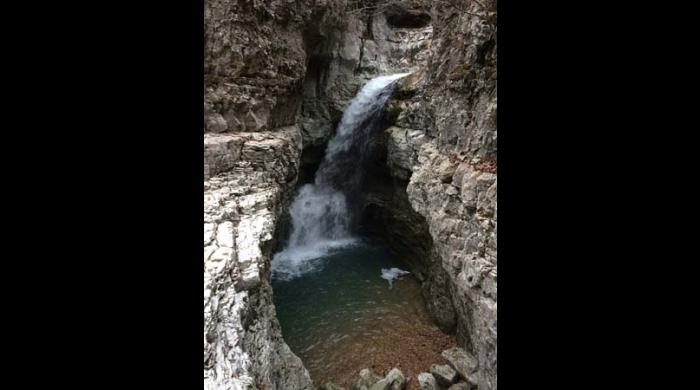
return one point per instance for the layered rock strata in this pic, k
(443, 139)
(248, 177)
(255, 60)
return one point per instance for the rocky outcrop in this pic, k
(248, 177)
(255, 60)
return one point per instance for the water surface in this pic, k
(342, 316)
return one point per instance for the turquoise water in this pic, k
(341, 312)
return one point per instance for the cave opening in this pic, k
(403, 18)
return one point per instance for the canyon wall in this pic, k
(255, 64)
(248, 175)
(443, 139)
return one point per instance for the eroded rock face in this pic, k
(243, 345)
(255, 60)
(444, 139)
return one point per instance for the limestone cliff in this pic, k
(255, 63)
(255, 60)
(248, 176)
(444, 139)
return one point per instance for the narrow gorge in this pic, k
(350, 193)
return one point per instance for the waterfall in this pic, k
(321, 214)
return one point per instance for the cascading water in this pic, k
(321, 213)
(332, 299)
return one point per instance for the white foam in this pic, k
(295, 261)
(392, 274)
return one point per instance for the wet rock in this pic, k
(464, 363)
(444, 374)
(426, 381)
(255, 61)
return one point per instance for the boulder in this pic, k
(464, 363)
(367, 379)
(394, 380)
(426, 381)
(444, 374)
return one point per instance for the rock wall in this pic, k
(248, 177)
(255, 64)
(444, 138)
(255, 60)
